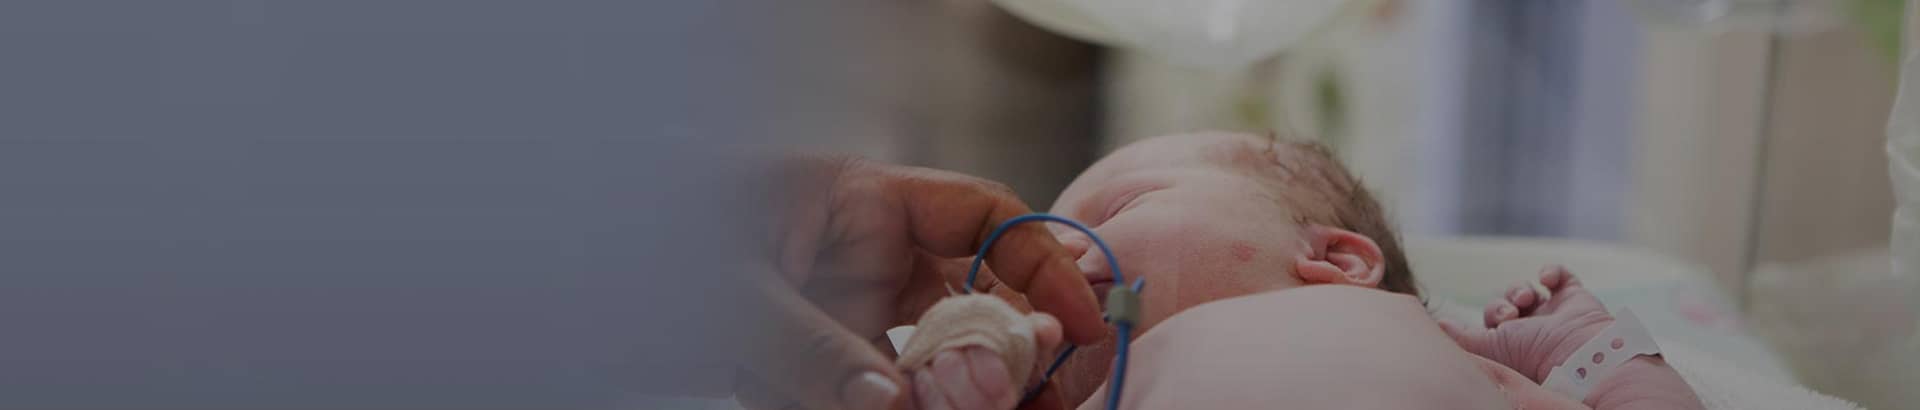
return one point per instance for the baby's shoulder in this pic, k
(1340, 300)
(1260, 346)
(1328, 309)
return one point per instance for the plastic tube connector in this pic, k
(1123, 305)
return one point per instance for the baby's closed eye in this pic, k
(1123, 198)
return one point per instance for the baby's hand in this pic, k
(972, 377)
(1531, 333)
(976, 353)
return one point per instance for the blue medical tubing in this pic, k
(1123, 325)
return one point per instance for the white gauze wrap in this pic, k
(973, 320)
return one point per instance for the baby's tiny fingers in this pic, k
(1556, 277)
(1046, 341)
(991, 377)
(955, 376)
(1522, 296)
(1046, 332)
(1499, 312)
(927, 394)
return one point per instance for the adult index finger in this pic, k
(950, 215)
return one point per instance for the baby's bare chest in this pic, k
(1305, 348)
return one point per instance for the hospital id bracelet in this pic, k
(1621, 341)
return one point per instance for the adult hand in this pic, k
(860, 247)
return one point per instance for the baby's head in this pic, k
(1210, 216)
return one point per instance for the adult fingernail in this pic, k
(870, 390)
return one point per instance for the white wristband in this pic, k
(1621, 341)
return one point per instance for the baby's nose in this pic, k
(1077, 244)
(1081, 248)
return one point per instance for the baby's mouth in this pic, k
(1101, 283)
(1095, 271)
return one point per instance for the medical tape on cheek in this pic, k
(1621, 341)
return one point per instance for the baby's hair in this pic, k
(1336, 198)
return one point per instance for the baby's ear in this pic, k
(1339, 256)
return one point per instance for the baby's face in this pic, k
(1196, 215)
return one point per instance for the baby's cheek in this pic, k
(1242, 252)
(1221, 269)
(1189, 259)
(1194, 264)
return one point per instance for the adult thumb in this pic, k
(806, 356)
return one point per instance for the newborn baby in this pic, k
(1219, 217)
(1212, 216)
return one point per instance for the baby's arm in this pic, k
(1531, 335)
(1633, 386)
(1646, 382)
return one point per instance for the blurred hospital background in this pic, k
(1720, 166)
(1721, 161)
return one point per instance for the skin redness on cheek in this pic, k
(1242, 252)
